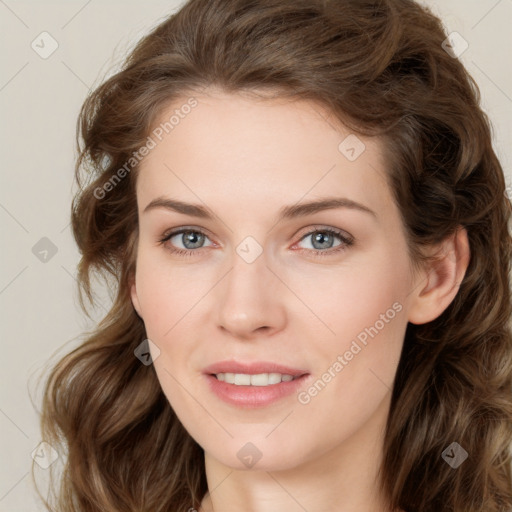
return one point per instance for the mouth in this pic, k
(250, 385)
(258, 379)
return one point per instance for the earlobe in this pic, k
(439, 283)
(135, 298)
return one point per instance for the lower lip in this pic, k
(253, 396)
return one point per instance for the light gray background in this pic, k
(39, 103)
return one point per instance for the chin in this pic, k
(258, 455)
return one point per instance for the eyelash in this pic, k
(346, 241)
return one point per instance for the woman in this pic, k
(307, 225)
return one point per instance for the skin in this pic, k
(246, 158)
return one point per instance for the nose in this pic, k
(251, 300)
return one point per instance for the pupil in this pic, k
(322, 239)
(193, 238)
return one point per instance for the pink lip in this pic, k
(252, 368)
(253, 396)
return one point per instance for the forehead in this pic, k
(259, 152)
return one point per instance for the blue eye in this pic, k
(190, 238)
(322, 241)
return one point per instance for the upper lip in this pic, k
(253, 368)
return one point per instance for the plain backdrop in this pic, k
(39, 102)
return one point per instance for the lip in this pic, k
(250, 397)
(252, 368)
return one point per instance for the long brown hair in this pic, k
(380, 66)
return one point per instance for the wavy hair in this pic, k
(380, 68)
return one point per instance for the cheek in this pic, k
(166, 292)
(369, 292)
(370, 298)
(357, 365)
(167, 296)
(365, 309)
(155, 300)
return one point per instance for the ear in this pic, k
(134, 297)
(438, 284)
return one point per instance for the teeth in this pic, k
(242, 379)
(261, 379)
(274, 378)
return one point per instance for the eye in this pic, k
(191, 240)
(322, 240)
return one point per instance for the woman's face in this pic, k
(297, 264)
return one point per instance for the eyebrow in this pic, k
(287, 212)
